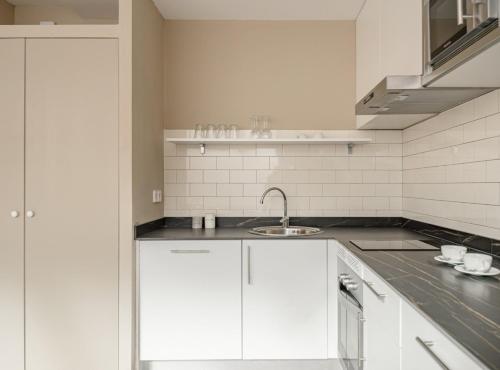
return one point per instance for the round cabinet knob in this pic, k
(30, 214)
(351, 286)
(14, 214)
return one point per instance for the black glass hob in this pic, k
(393, 245)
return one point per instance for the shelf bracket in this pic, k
(350, 146)
(202, 149)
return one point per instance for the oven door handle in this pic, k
(361, 358)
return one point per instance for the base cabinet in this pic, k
(190, 300)
(284, 299)
(425, 347)
(381, 310)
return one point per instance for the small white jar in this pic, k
(197, 222)
(210, 221)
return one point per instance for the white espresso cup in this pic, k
(477, 262)
(453, 252)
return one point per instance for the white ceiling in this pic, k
(107, 9)
(259, 9)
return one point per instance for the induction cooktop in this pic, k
(393, 245)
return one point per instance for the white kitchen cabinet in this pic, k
(284, 299)
(12, 204)
(190, 300)
(332, 299)
(388, 42)
(381, 310)
(424, 346)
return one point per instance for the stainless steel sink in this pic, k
(285, 231)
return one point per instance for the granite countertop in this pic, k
(466, 308)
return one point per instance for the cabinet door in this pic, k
(423, 346)
(381, 309)
(12, 200)
(72, 188)
(190, 300)
(401, 37)
(284, 299)
(368, 69)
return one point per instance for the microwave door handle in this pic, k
(460, 12)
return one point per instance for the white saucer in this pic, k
(491, 272)
(448, 261)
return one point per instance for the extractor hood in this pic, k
(401, 101)
(405, 95)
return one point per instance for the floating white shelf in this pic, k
(330, 140)
(278, 137)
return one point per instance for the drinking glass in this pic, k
(210, 131)
(198, 131)
(233, 131)
(221, 131)
(254, 123)
(266, 127)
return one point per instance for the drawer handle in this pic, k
(189, 251)
(369, 284)
(426, 344)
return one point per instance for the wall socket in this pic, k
(157, 196)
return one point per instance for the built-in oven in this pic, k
(350, 318)
(454, 25)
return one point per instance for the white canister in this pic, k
(210, 221)
(197, 222)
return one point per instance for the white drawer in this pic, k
(423, 346)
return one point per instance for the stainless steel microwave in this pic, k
(454, 25)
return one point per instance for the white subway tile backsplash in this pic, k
(243, 176)
(486, 105)
(216, 176)
(269, 176)
(313, 190)
(216, 203)
(319, 179)
(362, 163)
(229, 163)
(203, 190)
(230, 190)
(256, 163)
(240, 150)
(189, 176)
(202, 163)
(269, 150)
(451, 168)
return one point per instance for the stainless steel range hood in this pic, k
(405, 95)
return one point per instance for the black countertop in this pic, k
(465, 307)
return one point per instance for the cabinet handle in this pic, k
(426, 344)
(249, 265)
(369, 284)
(30, 214)
(189, 251)
(14, 214)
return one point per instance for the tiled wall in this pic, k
(451, 168)
(320, 180)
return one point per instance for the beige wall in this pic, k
(6, 13)
(147, 109)
(30, 14)
(300, 73)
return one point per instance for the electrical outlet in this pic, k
(157, 196)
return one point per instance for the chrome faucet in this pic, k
(285, 221)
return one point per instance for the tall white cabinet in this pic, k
(62, 166)
(284, 299)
